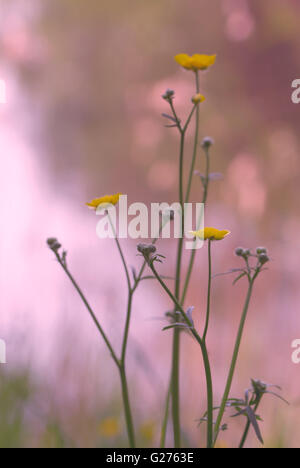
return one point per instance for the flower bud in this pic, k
(263, 258)
(168, 95)
(207, 142)
(198, 98)
(146, 249)
(51, 241)
(53, 244)
(239, 251)
(261, 250)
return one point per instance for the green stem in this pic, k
(176, 334)
(182, 140)
(193, 252)
(127, 408)
(127, 325)
(124, 384)
(234, 359)
(209, 386)
(208, 291)
(120, 252)
(165, 419)
(175, 388)
(189, 186)
(248, 424)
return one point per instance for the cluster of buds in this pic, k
(168, 95)
(55, 246)
(148, 251)
(261, 254)
(258, 387)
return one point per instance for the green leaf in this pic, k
(253, 421)
(239, 277)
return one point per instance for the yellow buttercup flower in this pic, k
(198, 98)
(210, 233)
(195, 62)
(106, 200)
(109, 427)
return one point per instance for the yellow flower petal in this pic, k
(107, 199)
(184, 61)
(196, 61)
(210, 233)
(202, 62)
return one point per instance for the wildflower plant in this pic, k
(180, 318)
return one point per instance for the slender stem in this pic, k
(165, 419)
(207, 172)
(202, 344)
(90, 310)
(175, 115)
(189, 186)
(124, 384)
(175, 388)
(176, 334)
(234, 359)
(127, 325)
(120, 251)
(127, 408)
(208, 291)
(190, 118)
(193, 252)
(248, 424)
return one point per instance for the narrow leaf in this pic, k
(253, 421)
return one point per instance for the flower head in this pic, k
(106, 200)
(196, 61)
(210, 233)
(198, 98)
